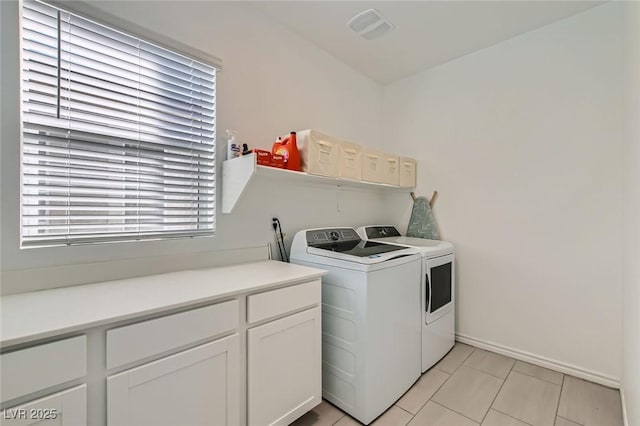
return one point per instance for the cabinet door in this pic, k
(284, 376)
(68, 408)
(196, 387)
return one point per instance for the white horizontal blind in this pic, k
(118, 135)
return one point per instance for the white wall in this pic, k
(272, 82)
(523, 142)
(1, 125)
(631, 223)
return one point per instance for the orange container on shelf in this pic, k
(288, 148)
(277, 161)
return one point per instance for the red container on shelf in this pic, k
(263, 157)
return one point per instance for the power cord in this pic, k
(275, 233)
(275, 222)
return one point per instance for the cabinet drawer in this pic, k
(277, 302)
(134, 342)
(29, 370)
(68, 408)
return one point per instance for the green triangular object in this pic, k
(422, 224)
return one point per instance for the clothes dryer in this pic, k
(437, 289)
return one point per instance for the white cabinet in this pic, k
(199, 386)
(39, 367)
(68, 408)
(35, 369)
(284, 377)
(177, 356)
(284, 368)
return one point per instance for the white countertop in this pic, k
(36, 315)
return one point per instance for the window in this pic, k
(118, 134)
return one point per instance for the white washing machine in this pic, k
(370, 318)
(437, 284)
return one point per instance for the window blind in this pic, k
(118, 134)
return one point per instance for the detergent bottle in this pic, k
(288, 148)
(233, 148)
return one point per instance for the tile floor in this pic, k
(472, 387)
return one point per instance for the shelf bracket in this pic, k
(236, 174)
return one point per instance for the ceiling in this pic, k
(426, 34)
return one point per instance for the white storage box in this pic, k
(390, 170)
(350, 161)
(372, 170)
(407, 172)
(319, 153)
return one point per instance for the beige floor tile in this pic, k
(348, 421)
(564, 422)
(526, 398)
(495, 418)
(394, 416)
(589, 404)
(538, 372)
(489, 362)
(422, 390)
(433, 414)
(454, 358)
(469, 392)
(323, 414)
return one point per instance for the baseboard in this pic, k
(625, 419)
(541, 361)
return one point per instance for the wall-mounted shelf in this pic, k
(237, 173)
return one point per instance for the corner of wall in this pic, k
(630, 389)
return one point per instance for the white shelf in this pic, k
(237, 173)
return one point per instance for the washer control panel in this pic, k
(381, 232)
(331, 235)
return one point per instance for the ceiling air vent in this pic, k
(370, 24)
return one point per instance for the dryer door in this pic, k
(439, 287)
